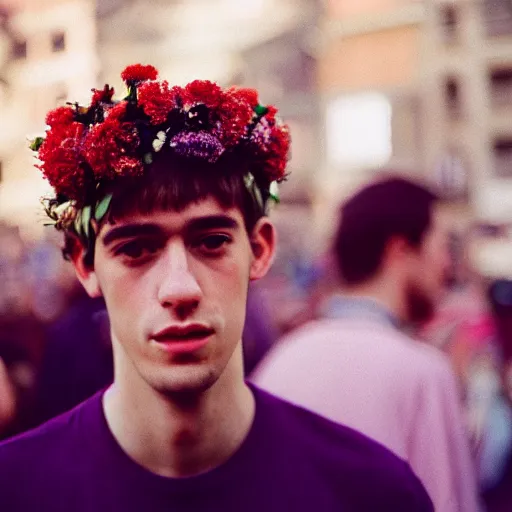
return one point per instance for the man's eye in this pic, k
(136, 249)
(212, 243)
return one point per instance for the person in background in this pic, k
(7, 399)
(465, 327)
(163, 197)
(495, 393)
(21, 331)
(260, 332)
(77, 361)
(360, 366)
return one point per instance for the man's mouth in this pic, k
(183, 338)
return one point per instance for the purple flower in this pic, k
(200, 144)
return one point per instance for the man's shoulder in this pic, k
(354, 339)
(345, 454)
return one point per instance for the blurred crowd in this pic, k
(55, 346)
(473, 327)
(39, 291)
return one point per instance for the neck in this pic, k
(181, 436)
(384, 291)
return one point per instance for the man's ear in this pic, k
(84, 272)
(263, 243)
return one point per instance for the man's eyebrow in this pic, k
(148, 229)
(212, 222)
(130, 230)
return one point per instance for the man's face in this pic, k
(175, 285)
(427, 279)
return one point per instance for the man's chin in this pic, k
(186, 382)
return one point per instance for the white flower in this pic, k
(274, 189)
(61, 208)
(159, 142)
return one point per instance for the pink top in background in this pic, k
(369, 376)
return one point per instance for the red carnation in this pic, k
(271, 113)
(202, 91)
(137, 73)
(116, 112)
(61, 161)
(270, 141)
(249, 96)
(277, 153)
(235, 112)
(102, 95)
(157, 99)
(60, 116)
(109, 145)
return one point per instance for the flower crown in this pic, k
(85, 148)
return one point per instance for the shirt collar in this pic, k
(364, 308)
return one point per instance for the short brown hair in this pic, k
(387, 208)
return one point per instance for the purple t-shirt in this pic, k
(291, 460)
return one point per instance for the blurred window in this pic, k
(359, 130)
(451, 175)
(503, 157)
(19, 50)
(61, 94)
(501, 86)
(449, 23)
(58, 41)
(453, 97)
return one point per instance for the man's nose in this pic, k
(179, 288)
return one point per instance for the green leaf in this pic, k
(260, 110)
(102, 207)
(36, 143)
(86, 220)
(78, 223)
(132, 93)
(253, 189)
(258, 196)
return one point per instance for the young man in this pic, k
(162, 197)
(358, 367)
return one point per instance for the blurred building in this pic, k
(284, 70)
(370, 61)
(468, 100)
(49, 54)
(189, 39)
(422, 86)
(467, 107)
